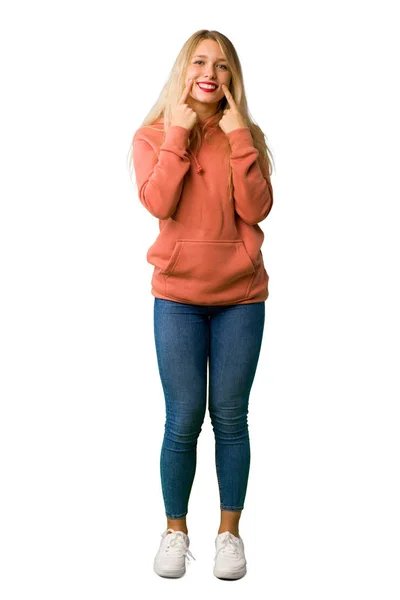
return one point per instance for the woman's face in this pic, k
(211, 66)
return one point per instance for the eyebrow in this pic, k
(205, 56)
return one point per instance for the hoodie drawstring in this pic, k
(199, 168)
(208, 123)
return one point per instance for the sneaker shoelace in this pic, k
(178, 544)
(229, 545)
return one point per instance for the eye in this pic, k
(201, 61)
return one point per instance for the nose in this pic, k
(210, 74)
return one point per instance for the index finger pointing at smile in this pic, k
(228, 95)
(186, 91)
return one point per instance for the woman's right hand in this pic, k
(183, 115)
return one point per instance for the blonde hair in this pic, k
(173, 90)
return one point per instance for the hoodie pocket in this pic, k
(209, 271)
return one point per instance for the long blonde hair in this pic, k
(173, 89)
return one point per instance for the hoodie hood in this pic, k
(206, 125)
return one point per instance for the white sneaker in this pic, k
(170, 558)
(230, 561)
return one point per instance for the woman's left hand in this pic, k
(232, 119)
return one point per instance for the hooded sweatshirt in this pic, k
(208, 250)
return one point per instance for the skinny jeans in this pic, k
(189, 339)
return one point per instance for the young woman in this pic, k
(202, 169)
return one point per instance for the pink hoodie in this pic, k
(208, 250)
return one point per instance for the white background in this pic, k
(82, 408)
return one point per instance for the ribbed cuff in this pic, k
(177, 135)
(239, 138)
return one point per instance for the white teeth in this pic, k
(208, 87)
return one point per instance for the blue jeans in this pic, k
(186, 337)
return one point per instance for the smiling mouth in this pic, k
(206, 88)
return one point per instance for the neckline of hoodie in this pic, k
(206, 124)
(209, 121)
